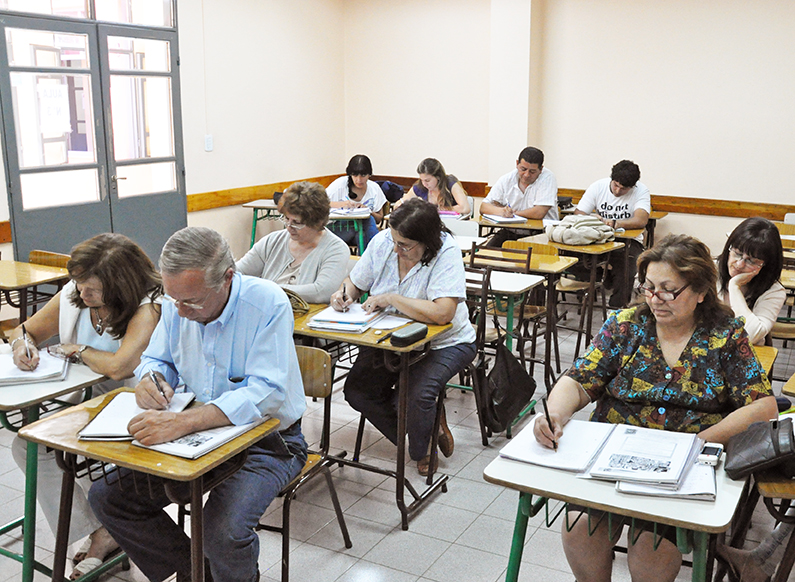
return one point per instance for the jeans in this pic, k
(619, 286)
(369, 388)
(344, 230)
(159, 547)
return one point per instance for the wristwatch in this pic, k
(78, 355)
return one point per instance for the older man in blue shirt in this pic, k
(228, 339)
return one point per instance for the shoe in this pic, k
(81, 554)
(86, 565)
(742, 564)
(424, 463)
(446, 443)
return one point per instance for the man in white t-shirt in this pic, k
(530, 191)
(621, 201)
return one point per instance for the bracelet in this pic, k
(78, 355)
(21, 338)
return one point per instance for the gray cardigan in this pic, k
(321, 273)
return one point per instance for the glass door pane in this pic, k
(72, 8)
(147, 12)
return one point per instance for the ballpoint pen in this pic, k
(387, 336)
(344, 297)
(154, 379)
(25, 339)
(549, 422)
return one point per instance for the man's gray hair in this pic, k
(198, 248)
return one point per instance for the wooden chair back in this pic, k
(48, 258)
(477, 289)
(538, 248)
(513, 260)
(784, 228)
(316, 371)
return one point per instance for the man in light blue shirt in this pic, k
(228, 339)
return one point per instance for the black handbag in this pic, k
(509, 388)
(761, 446)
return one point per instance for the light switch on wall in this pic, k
(208, 143)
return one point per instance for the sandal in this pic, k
(81, 554)
(86, 565)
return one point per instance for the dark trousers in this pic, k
(370, 389)
(621, 289)
(138, 522)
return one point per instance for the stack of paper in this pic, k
(355, 320)
(643, 460)
(111, 422)
(50, 369)
(360, 212)
(515, 219)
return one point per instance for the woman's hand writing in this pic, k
(545, 435)
(26, 355)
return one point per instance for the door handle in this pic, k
(115, 178)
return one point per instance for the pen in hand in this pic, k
(549, 421)
(344, 297)
(25, 339)
(153, 378)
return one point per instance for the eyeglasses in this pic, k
(402, 246)
(661, 295)
(291, 224)
(195, 306)
(738, 257)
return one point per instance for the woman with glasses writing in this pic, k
(104, 316)
(305, 257)
(749, 269)
(415, 269)
(677, 361)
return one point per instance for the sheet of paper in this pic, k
(390, 322)
(504, 219)
(581, 440)
(111, 423)
(355, 314)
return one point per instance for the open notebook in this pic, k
(111, 422)
(50, 369)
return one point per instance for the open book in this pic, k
(50, 369)
(355, 320)
(194, 445)
(111, 422)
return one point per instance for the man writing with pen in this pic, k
(529, 191)
(228, 338)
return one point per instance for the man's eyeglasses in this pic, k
(402, 246)
(738, 257)
(188, 304)
(661, 295)
(291, 224)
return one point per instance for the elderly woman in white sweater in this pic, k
(305, 257)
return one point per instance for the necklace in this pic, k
(99, 326)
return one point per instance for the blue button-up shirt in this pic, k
(243, 362)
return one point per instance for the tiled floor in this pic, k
(461, 536)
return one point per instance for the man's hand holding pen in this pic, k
(153, 392)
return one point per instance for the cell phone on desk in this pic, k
(710, 454)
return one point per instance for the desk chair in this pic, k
(316, 372)
(38, 296)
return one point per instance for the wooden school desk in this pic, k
(406, 358)
(59, 432)
(591, 255)
(694, 521)
(264, 209)
(28, 398)
(22, 277)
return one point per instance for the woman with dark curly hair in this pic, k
(678, 361)
(749, 269)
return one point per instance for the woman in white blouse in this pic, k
(749, 269)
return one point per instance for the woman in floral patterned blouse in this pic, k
(679, 361)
